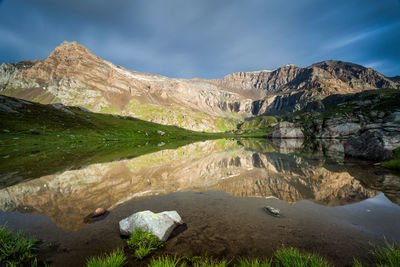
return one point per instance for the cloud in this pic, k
(357, 37)
(207, 39)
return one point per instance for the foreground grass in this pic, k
(394, 163)
(386, 256)
(293, 257)
(16, 249)
(389, 256)
(114, 259)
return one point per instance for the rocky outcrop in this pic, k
(286, 130)
(73, 75)
(369, 121)
(291, 88)
(9, 71)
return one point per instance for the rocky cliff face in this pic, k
(291, 88)
(369, 122)
(73, 75)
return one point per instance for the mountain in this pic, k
(73, 75)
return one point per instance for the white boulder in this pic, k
(159, 224)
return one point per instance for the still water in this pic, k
(329, 204)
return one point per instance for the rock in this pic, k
(61, 107)
(160, 132)
(272, 210)
(341, 130)
(99, 212)
(286, 130)
(96, 215)
(159, 224)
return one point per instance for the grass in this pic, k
(114, 259)
(386, 256)
(394, 163)
(259, 122)
(293, 257)
(144, 243)
(243, 262)
(16, 249)
(33, 121)
(167, 261)
(209, 262)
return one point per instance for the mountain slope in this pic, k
(25, 122)
(73, 75)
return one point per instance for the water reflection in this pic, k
(239, 167)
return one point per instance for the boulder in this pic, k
(286, 130)
(159, 224)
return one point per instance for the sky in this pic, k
(207, 38)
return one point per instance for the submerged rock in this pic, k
(272, 210)
(98, 212)
(159, 224)
(96, 215)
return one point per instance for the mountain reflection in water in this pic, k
(247, 168)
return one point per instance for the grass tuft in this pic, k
(114, 259)
(209, 262)
(386, 256)
(244, 262)
(293, 257)
(166, 261)
(142, 252)
(143, 243)
(16, 249)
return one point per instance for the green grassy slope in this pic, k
(28, 121)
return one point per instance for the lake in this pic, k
(329, 204)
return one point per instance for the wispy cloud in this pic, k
(361, 36)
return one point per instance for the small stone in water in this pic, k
(99, 211)
(272, 210)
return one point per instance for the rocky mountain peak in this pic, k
(71, 51)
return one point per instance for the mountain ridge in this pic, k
(73, 75)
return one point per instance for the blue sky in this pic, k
(209, 38)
